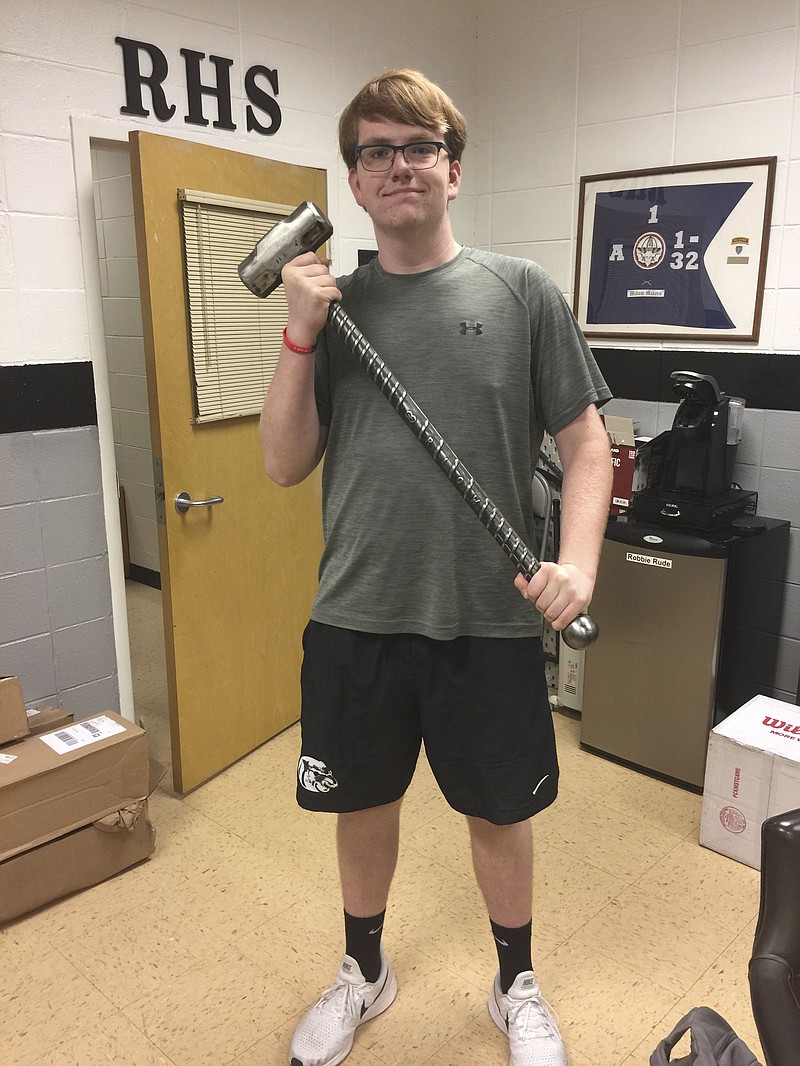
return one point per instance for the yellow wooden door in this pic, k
(238, 578)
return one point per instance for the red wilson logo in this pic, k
(787, 729)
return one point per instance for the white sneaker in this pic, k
(529, 1022)
(324, 1036)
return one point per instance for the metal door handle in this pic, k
(183, 501)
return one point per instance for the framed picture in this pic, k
(677, 253)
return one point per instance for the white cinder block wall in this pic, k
(122, 320)
(552, 89)
(61, 60)
(572, 87)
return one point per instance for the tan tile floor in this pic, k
(208, 953)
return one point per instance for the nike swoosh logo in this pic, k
(500, 1010)
(540, 784)
(377, 929)
(502, 943)
(365, 1006)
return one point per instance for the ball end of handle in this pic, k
(581, 633)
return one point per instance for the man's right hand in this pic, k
(310, 289)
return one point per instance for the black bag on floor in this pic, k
(713, 1043)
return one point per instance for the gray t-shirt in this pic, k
(488, 348)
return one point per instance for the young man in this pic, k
(417, 632)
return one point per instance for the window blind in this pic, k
(234, 337)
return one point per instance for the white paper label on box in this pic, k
(31, 711)
(7, 758)
(648, 560)
(81, 734)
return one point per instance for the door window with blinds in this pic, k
(234, 337)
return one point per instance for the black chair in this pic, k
(774, 971)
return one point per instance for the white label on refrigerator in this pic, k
(648, 560)
(81, 734)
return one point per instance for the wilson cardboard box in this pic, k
(75, 861)
(752, 773)
(63, 780)
(13, 720)
(44, 718)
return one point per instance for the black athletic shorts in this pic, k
(479, 704)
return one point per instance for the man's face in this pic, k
(402, 197)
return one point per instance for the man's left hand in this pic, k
(559, 591)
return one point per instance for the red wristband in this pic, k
(300, 349)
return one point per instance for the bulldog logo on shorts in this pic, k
(314, 776)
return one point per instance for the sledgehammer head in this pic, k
(303, 231)
(581, 633)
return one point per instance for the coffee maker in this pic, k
(684, 476)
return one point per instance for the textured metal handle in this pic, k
(581, 631)
(183, 501)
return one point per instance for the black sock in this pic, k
(513, 952)
(363, 943)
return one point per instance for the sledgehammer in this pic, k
(304, 231)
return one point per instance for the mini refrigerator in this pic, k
(682, 617)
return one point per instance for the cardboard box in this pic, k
(752, 773)
(44, 718)
(65, 779)
(77, 860)
(13, 720)
(623, 458)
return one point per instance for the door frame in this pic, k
(115, 134)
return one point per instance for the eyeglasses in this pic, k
(419, 155)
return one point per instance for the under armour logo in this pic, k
(471, 327)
